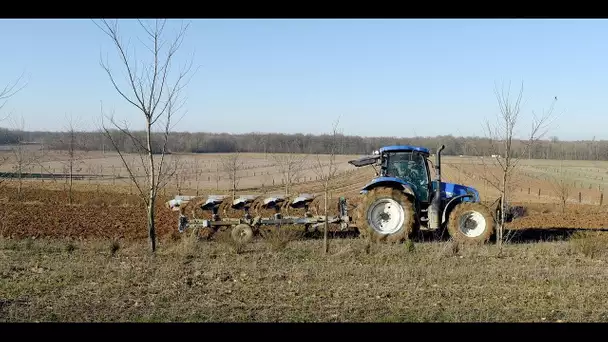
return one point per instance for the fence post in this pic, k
(580, 197)
(601, 198)
(538, 192)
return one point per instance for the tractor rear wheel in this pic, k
(471, 223)
(386, 214)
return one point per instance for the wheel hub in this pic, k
(472, 224)
(386, 216)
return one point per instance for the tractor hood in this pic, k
(449, 190)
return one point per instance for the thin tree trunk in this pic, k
(325, 246)
(151, 229)
(234, 186)
(20, 182)
(503, 207)
(70, 186)
(196, 179)
(151, 200)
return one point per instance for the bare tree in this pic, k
(290, 165)
(561, 186)
(95, 170)
(24, 156)
(9, 90)
(150, 88)
(197, 173)
(326, 171)
(501, 137)
(231, 165)
(76, 152)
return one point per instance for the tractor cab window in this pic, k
(412, 168)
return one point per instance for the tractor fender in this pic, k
(392, 182)
(450, 205)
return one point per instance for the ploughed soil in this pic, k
(92, 214)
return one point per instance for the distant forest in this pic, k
(181, 142)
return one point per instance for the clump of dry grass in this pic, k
(590, 244)
(29, 243)
(226, 239)
(70, 246)
(187, 244)
(409, 245)
(114, 247)
(278, 239)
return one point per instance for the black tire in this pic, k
(461, 212)
(242, 233)
(366, 230)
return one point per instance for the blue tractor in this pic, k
(402, 199)
(399, 202)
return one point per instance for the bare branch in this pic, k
(10, 90)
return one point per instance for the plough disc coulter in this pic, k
(244, 227)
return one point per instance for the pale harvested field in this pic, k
(202, 171)
(204, 174)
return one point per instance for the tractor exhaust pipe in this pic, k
(434, 212)
(438, 162)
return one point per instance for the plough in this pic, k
(245, 227)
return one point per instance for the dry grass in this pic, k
(190, 280)
(590, 244)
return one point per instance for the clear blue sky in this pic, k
(383, 77)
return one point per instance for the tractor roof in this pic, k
(403, 148)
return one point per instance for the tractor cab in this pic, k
(402, 164)
(410, 165)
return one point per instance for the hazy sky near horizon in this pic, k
(382, 77)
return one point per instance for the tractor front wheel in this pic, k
(471, 223)
(386, 214)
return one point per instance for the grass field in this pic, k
(51, 280)
(89, 261)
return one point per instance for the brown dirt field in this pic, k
(64, 221)
(44, 213)
(107, 210)
(551, 216)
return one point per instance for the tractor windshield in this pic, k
(411, 167)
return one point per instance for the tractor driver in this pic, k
(410, 170)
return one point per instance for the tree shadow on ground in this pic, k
(531, 235)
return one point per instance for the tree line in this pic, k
(185, 142)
